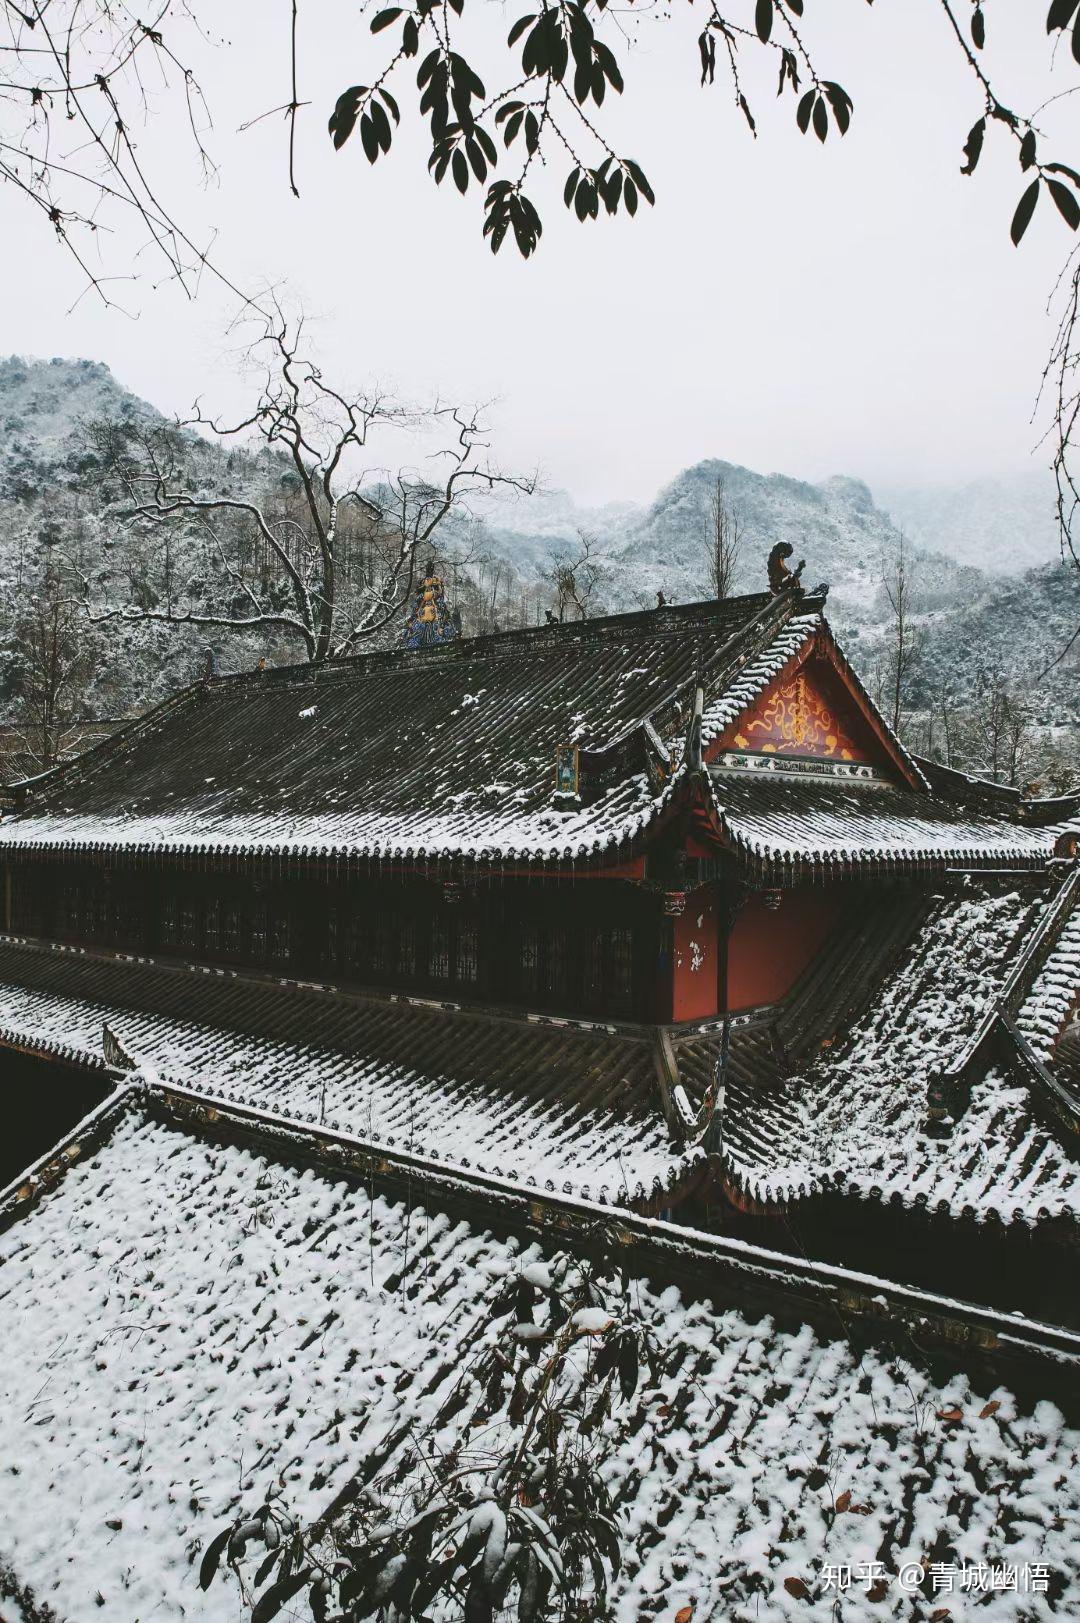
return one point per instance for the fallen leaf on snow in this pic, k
(796, 1587)
(844, 1501)
(989, 1408)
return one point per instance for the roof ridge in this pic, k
(670, 621)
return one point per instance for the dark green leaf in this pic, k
(608, 66)
(215, 1549)
(1076, 40)
(570, 187)
(821, 119)
(343, 118)
(973, 146)
(392, 104)
(369, 139)
(1060, 14)
(585, 200)
(460, 170)
(638, 177)
(383, 19)
(410, 37)
(707, 49)
(427, 67)
(265, 1567)
(611, 191)
(523, 23)
(842, 105)
(978, 28)
(1027, 150)
(1024, 210)
(381, 125)
(805, 108)
(795, 7)
(512, 127)
(1068, 207)
(628, 1367)
(1063, 169)
(763, 19)
(629, 192)
(271, 1600)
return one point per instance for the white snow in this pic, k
(187, 1324)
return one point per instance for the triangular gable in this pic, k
(815, 710)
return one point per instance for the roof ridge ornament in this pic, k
(431, 622)
(694, 756)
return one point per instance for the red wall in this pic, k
(695, 978)
(767, 951)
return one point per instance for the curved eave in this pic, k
(625, 841)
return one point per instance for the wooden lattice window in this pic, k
(383, 945)
(595, 959)
(169, 927)
(557, 979)
(468, 952)
(440, 947)
(530, 959)
(212, 926)
(354, 954)
(187, 925)
(622, 968)
(331, 939)
(406, 949)
(70, 910)
(280, 936)
(258, 932)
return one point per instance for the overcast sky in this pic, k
(857, 308)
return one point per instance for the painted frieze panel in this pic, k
(802, 715)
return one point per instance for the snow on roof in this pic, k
(779, 819)
(861, 1111)
(569, 1109)
(450, 751)
(187, 1324)
(1054, 995)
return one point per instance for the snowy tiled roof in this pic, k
(860, 1113)
(449, 751)
(570, 1108)
(187, 1324)
(779, 819)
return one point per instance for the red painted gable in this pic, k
(809, 710)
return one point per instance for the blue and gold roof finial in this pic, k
(431, 622)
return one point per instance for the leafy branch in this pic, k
(516, 1513)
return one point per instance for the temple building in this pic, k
(333, 993)
(609, 885)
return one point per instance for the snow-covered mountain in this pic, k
(835, 526)
(1003, 525)
(971, 620)
(42, 405)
